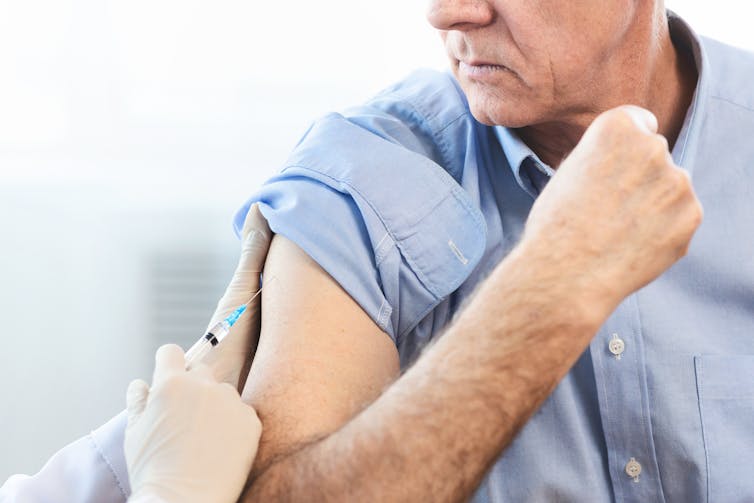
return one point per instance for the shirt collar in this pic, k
(516, 151)
(689, 135)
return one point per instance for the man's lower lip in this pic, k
(480, 71)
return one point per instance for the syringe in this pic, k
(215, 335)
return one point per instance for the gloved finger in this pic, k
(169, 360)
(255, 241)
(255, 421)
(203, 372)
(136, 399)
(255, 238)
(232, 359)
(230, 389)
(253, 428)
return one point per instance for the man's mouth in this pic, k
(480, 69)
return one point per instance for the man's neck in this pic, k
(665, 87)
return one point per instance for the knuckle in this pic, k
(171, 385)
(683, 176)
(255, 418)
(658, 148)
(229, 390)
(676, 179)
(662, 144)
(683, 250)
(697, 214)
(686, 186)
(679, 180)
(617, 119)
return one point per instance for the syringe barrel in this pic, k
(220, 330)
(197, 352)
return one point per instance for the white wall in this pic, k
(130, 131)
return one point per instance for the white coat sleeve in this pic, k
(90, 470)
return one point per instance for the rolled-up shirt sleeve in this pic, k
(363, 196)
(330, 227)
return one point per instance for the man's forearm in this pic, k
(434, 433)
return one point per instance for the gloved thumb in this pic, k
(136, 399)
(255, 240)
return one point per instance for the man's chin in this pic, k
(497, 114)
(505, 103)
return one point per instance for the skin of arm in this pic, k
(616, 215)
(432, 435)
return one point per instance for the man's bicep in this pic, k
(321, 358)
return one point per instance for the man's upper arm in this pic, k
(320, 359)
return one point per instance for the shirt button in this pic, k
(633, 469)
(616, 346)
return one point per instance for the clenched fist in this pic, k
(618, 212)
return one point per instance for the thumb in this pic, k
(255, 241)
(136, 399)
(643, 118)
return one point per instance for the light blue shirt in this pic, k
(408, 203)
(372, 196)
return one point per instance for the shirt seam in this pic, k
(692, 118)
(414, 267)
(609, 432)
(396, 242)
(698, 370)
(444, 146)
(382, 248)
(422, 118)
(645, 394)
(480, 223)
(454, 190)
(735, 103)
(102, 455)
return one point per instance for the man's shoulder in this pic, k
(386, 174)
(424, 112)
(427, 96)
(731, 72)
(423, 116)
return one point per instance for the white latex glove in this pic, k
(230, 361)
(190, 438)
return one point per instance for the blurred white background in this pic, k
(130, 132)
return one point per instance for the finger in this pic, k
(254, 222)
(255, 241)
(169, 360)
(203, 372)
(256, 237)
(254, 426)
(136, 399)
(230, 390)
(643, 118)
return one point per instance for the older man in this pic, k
(556, 373)
(423, 216)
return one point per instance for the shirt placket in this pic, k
(620, 373)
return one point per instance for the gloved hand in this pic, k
(231, 360)
(190, 438)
